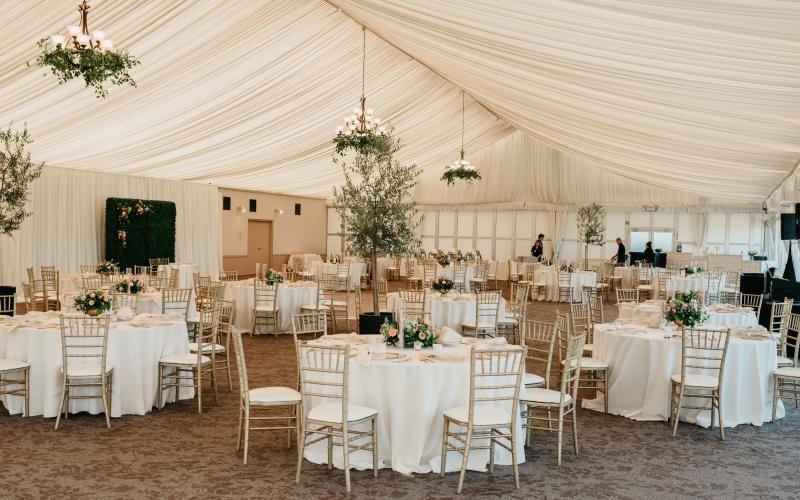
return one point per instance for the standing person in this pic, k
(649, 253)
(537, 250)
(619, 258)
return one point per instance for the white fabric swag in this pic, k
(67, 226)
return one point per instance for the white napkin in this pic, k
(364, 358)
(449, 336)
(124, 314)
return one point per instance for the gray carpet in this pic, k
(176, 453)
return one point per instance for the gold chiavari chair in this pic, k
(513, 271)
(326, 292)
(84, 347)
(315, 322)
(92, 282)
(366, 276)
(627, 295)
(596, 317)
(594, 372)
(229, 275)
(221, 361)
(31, 274)
(730, 288)
(52, 280)
(494, 380)
(413, 304)
(788, 325)
(356, 310)
(487, 305)
(460, 277)
(701, 350)
(175, 301)
(393, 269)
(479, 280)
(264, 404)
(539, 337)
(491, 272)
(516, 310)
(383, 296)
(324, 376)
(752, 300)
(662, 282)
(29, 297)
(265, 306)
(564, 287)
(141, 270)
(581, 322)
(120, 300)
(429, 268)
(645, 282)
(299, 266)
(779, 314)
(343, 276)
(39, 294)
(715, 279)
(197, 364)
(562, 401)
(11, 369)
(786, 378)
(88, 269)
(287, 270)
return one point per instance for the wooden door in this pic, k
(259, 244)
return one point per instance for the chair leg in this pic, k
(27, 393)
(106, 405)
(239, 430)
(346, 454)
(198, 379)
(464, 460)
(61, 406)
(228, 369)
(491, 452)
(719, 416)
(514, 465)
(575, 430)
(301, 446)
(677, 416)
(605, 391)
(214, 381)
(775, 398)
(253, 327)
(443, 460)
(330, 451)
(560, 434)
(375, 447)
(160, 386)
(246, 435)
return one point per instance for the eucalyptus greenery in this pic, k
(591, 228)
(16, 174)
(466, 174)
(375, 201)
(94, 65)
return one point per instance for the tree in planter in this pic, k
(591, 228)
(16, 174)
(375, 201)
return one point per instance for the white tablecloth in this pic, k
(718, 315)
(450, 310)
(185, 273)
(133, 351)
(291, 297)
(356, 270)
(308, 259)
(550, 278)
(448, 272)
(693, 282)
(149, 302)
(410, 414)
(641, 365)
(629, 275)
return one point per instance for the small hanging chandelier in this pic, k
(87, 54)
(362, 127)
(461, 168)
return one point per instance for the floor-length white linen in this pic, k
(411, 398)
(291, 297)
(549, 276)
(450, 310)
(308, 259)
(448, 272)
(717, 315)
(133, 351)
(67, 229)
(356, 270)
(642, 363)
(185, 272)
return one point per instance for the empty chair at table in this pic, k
(460, 277)
(413, 305)
(703, 353)
(492, 411)
(228, 275)
(221, 361)
(265, 306)
(516, 311)
(564, 291)
(645, 282)
(729, 286)
(480, 278)
(581, 321)
(309, 323)
(299, 265)
(786, 378)
(277, 407)
(343, 276)
(487, 305)
(141, 270)
(14, 374)
(84, 349)
(326, 294)
(129, 300)
(539, 338)
(627, 295)
(752, 300)
(594, 372)
(175, 302)
(324, 376)
(88, 268)
(788, 332)
(393, 269)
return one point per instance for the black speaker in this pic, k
(297, 209)
(797, 219)
(788, 227)
(753, 283)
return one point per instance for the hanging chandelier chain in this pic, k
(363, 60)
(462, 124)
(84, 10)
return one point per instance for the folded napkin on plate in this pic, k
(752, 333)
(449, 336)
(364, 357)
(452, 357)
(124, 314)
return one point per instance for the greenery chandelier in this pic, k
(86, 54)
(461, 168)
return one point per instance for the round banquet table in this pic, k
(578, 279)
(447, 272)
(356, 270)
(149, 303)
(721, 315)
(693, 282)
(642, 360)
(629, 275)
(134, 349)
(450, 310)
(411, 396)
(291, 297)
(185, 273)
(308, 259)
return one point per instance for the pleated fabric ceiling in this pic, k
(700, 97)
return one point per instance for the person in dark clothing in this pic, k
(537, 250)
(619, 258)
(649, 254)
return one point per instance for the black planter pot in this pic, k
(370, 324)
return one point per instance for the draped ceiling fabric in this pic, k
(699, 97)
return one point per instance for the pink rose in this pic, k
(393, 332)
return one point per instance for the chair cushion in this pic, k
(784, 361)
(588, 347)
(335, 303)
(206, 347)
(85, 369)
(272, 395)
(187, 358)
(332, 412)
(313, 307)
(484, 415)
(788, 371)
(727, 290)
(592, 364)
(542, 396)
(531, 379)
(480, 325)
(645, 287)
(696, 380)
(12, 365)
(267, 309)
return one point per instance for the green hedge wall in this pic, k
(149, 235)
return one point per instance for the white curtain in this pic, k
(67, 226)
(557, 222)
(700, 230)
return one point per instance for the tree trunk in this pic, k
(586, 257)
(376, 308)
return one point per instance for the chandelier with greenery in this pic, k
(461, 168)
(87, 55)
(362, 130)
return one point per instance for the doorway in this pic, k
(259, 244)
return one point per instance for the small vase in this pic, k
(92, 312)
(443, 292)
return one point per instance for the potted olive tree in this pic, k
(376, 204)
(591, 228)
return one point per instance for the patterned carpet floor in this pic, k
(176, 453)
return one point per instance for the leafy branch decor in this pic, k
(591, 228)
(16, 174)
(86, 56)
(461, 169)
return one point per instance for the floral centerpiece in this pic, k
(107, 267)
(274, 277)
(129, 284)
(443, 285)
(566, 268)
(443, 260)
(692, 270)
(391, 335)
(336, 259)
(93, 302)
(418, 330)
(658, 250)
(685, 309)
(752, 253)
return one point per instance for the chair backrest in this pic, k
(315, 322)
(91, 282)
(228, 275)
(564, 279)
(51, 277)
(779, 314)
(572, 348)
(84, 340)
(495, 377)
(88, 269)
(140, 270)
(120, 300)
(343, 270)
(241, 368)
(412, 303)
(704, 349)
(596, 313)
(791, 337)
(644, 275)
(429, 270)
(31, 274)
(227, 315)
(518, 305)
(383, 295)
(539, 337)
(207, 333)
(627, 295)
(38, 291)
(487, 305)
(580, 317)
(753, 300)
(323, 374)
(460, 273)
(8, 304)
(298, 264)
(732, 280)
(176, 300)
(265, 295)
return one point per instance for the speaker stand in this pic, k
(788, 271)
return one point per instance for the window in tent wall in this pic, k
(429, 230)
(335, 233)
(504, 233)
(523, 233)
(484, 228)
(447, 230)
(716, 234)
(466, 230)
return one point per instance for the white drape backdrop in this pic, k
(68, 223)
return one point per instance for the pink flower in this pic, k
(392, 332)
(91, 302)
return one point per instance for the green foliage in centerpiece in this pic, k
(692, 270)
(16, 174)
(390, 333)
(93, 302)
(685, 309)
(129, 285)
(418, 330)
(443, 285)
(107, 267)
(94, 65)
(443, 260)
(274, 277)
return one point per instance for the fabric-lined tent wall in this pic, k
(67, 226)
